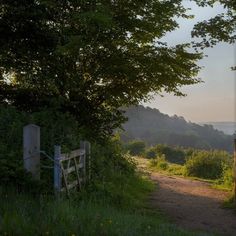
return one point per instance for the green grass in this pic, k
(230, 203)
(26, 215)
(116, 206)
(166, 167)
(221, 186)
(120, 211)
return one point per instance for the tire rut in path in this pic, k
(193, 204)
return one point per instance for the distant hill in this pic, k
(226, 127)
(152, 126)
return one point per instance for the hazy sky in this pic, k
(213, 100)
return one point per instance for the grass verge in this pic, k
(24, 214)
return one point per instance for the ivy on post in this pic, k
(31, 150)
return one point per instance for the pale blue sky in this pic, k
(213, 100)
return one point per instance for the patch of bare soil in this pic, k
(193, 204)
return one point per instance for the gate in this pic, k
(71, 170)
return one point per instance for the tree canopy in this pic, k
(220, 28)
(90, 58)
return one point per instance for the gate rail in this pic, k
(70, 168)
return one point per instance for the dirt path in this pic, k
(193, 204)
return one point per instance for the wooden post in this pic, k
(86, 160)
(31, 149)
(83, 146)
(57, 169)
(88, 156)
(234, 169)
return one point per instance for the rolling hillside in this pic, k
(152, 126)
(226, 127)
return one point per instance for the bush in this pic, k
(159, 163)
(151, 152)
(14, 176)
(136, 147)
(113, 176)
(172, 154)
(55, 127)
(227, 179)
(207, 164)
(176, 169)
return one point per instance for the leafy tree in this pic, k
(221, 28)
(90, 58)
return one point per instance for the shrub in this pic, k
(136, 147)
(227, 178)
(172, 154)
(176, 155)
(113, 176)
(56, 128)
(14, 176)
(159, 163)
(150, 152)
(162, 165)
(207, 164)
(176, 169)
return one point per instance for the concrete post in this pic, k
(31, 149)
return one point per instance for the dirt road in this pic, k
(193, 204)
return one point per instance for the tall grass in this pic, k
(22, 214)
(162, 165)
